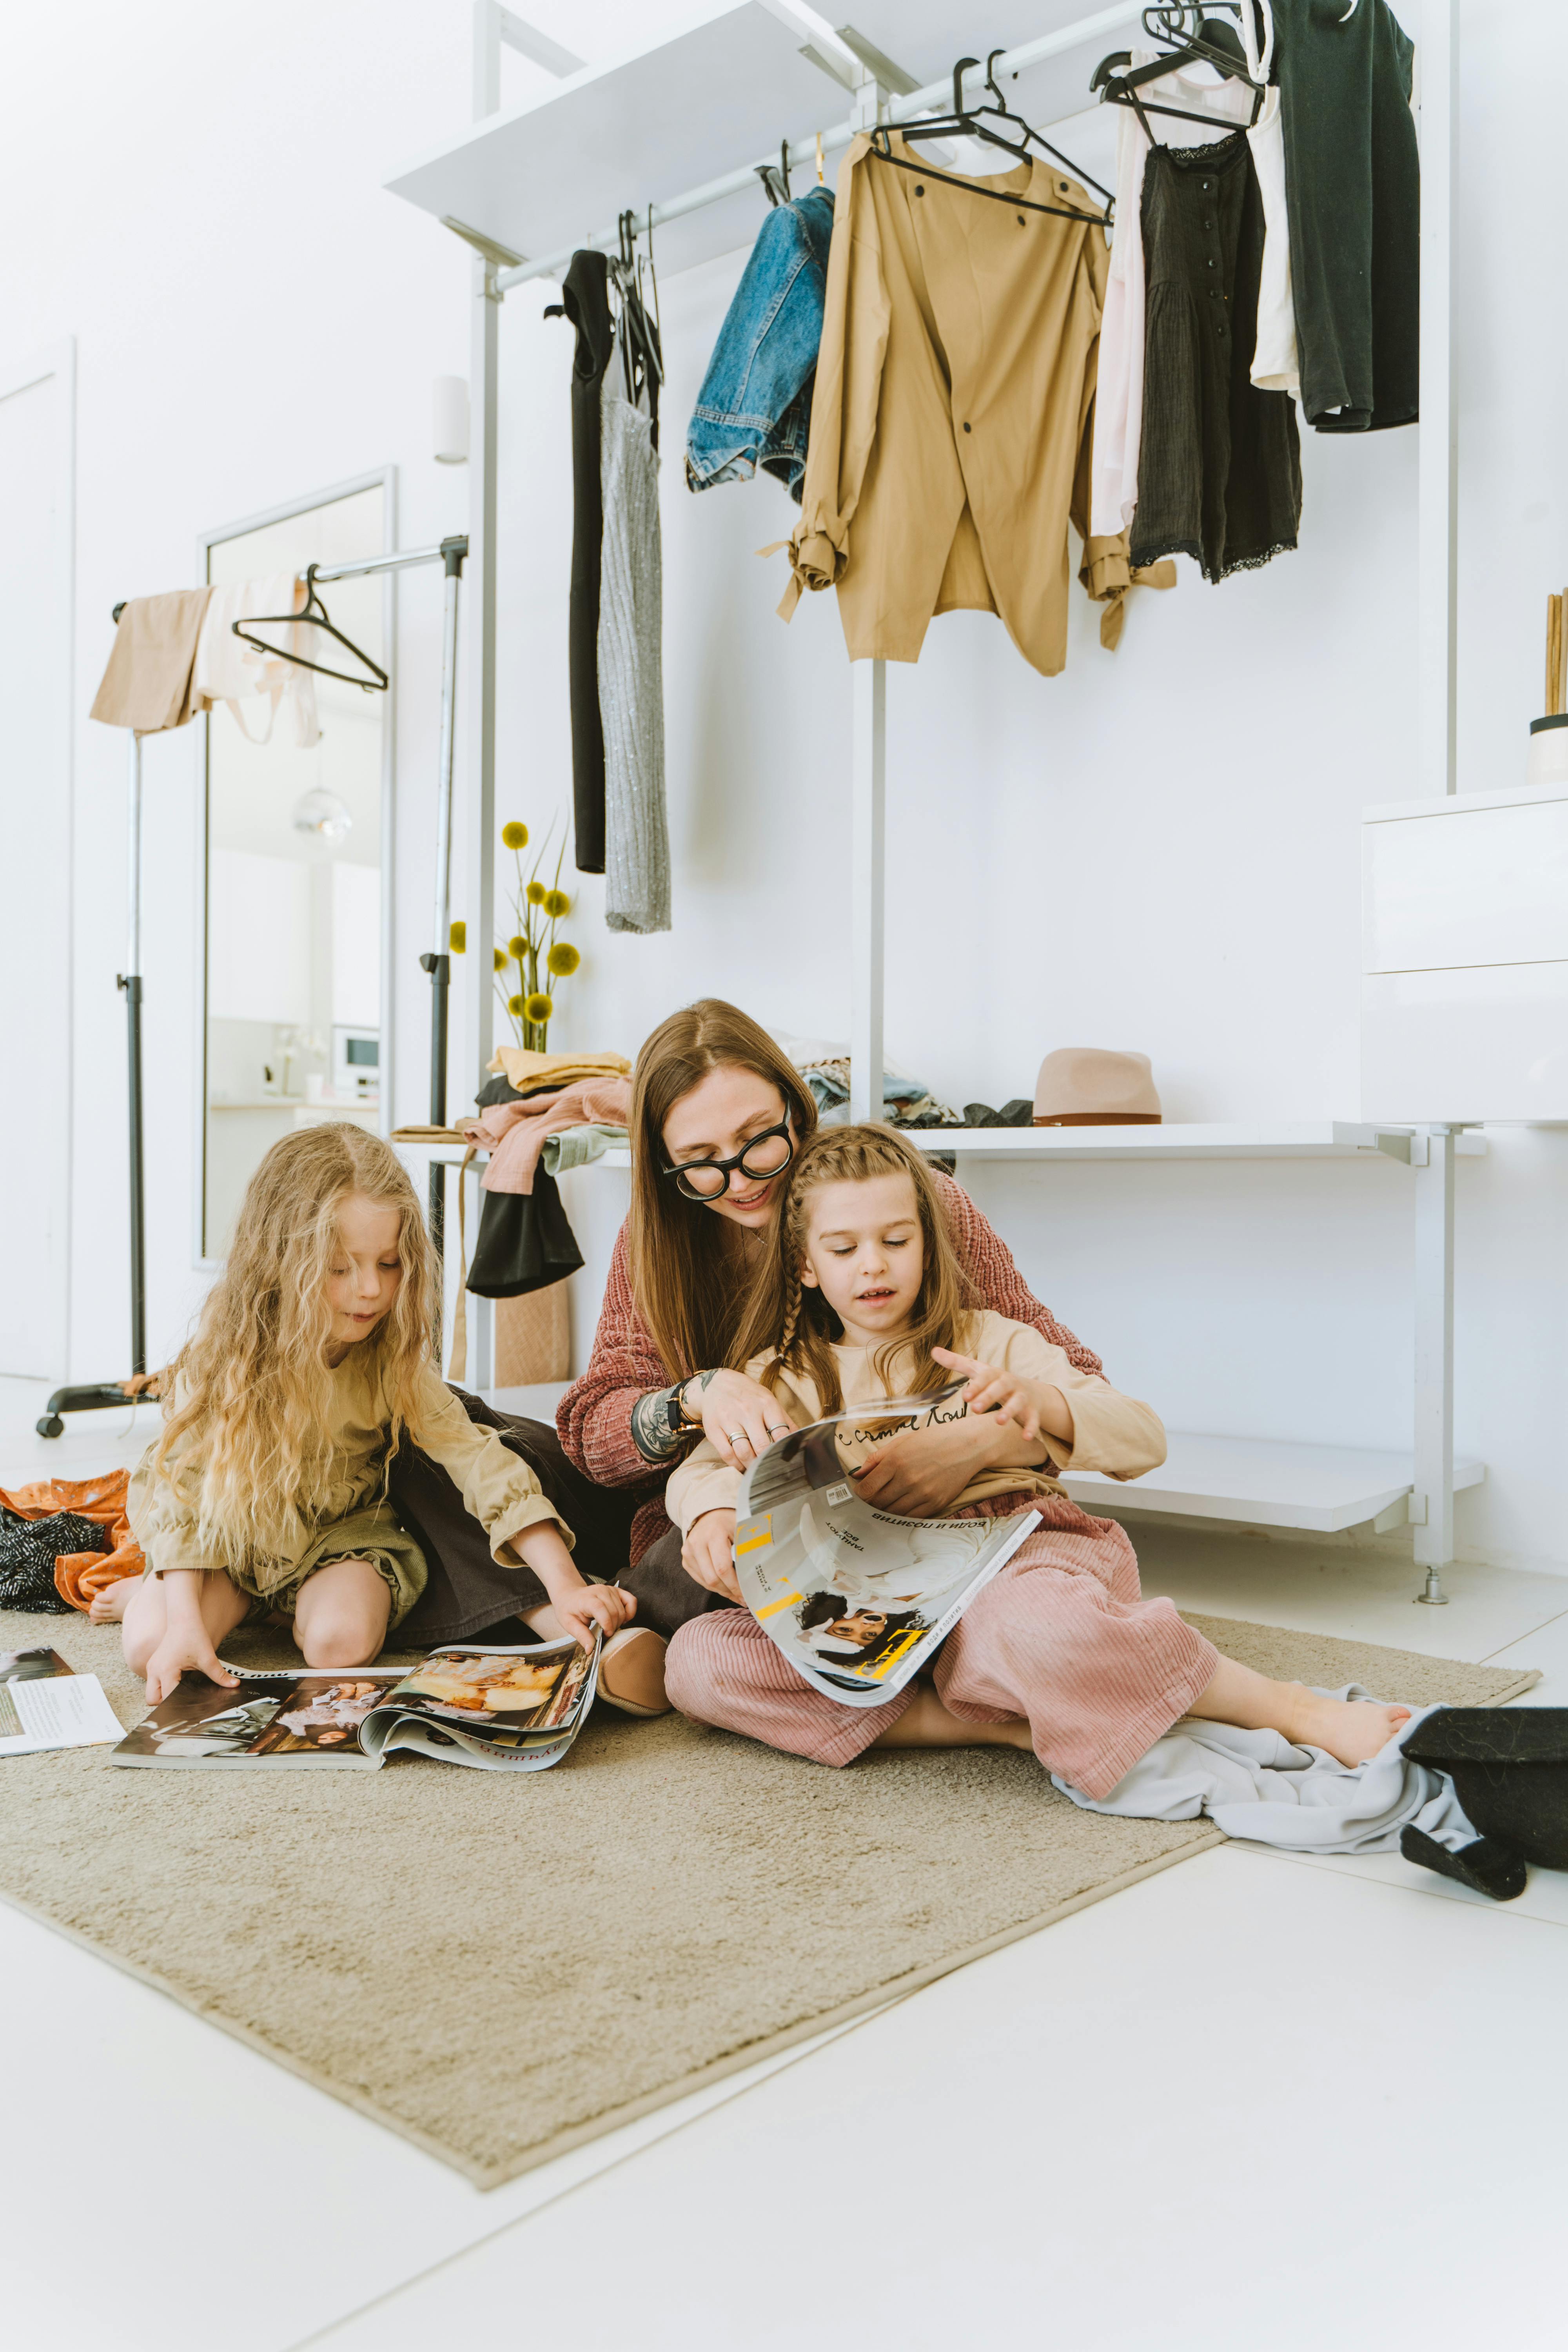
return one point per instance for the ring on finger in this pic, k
(737, 1437)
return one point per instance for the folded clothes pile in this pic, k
(907, 1101)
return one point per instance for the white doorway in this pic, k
(37, 402)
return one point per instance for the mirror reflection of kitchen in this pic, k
(294, 931)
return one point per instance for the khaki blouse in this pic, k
(950, 422)
(1111, 1432)
(501, 1491)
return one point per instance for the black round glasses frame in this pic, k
(725, 1166)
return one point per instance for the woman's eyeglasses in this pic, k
(766, 1155)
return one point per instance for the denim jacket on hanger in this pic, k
(754, 407)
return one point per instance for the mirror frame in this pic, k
(385, 479)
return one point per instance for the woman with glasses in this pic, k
(717, 1113)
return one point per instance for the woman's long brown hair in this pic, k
(682, 1277)
(790, 1319)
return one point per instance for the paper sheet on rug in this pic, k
(44, 1705)
(858, 1599)
(501, 1710)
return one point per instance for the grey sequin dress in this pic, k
(1219, 469)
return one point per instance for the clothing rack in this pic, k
(496, 272)
(104, 1396)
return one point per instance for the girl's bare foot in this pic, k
(108, 1607)
(1353, 1731)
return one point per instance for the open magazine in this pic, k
(515, 1710)
(45, 1704)
(856, 1599)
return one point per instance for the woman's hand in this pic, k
(741, 1419)
(585, 1608)
(922, 1472)
(708, 1553)
(1038, 1408)
(184, 1649)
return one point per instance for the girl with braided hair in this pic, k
(862, 1300)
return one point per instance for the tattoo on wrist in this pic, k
(651, 1432)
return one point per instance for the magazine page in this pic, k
(856, 1598)
(501, 1709)
(308, 1718)
(45, 1705)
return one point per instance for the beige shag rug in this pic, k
(502, 1968)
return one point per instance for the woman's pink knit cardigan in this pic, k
(594, 1416)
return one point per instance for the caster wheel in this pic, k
(51, 1425)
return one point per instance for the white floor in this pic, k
(1255, 2102)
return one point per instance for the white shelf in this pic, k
(1263, 1483)
(1322, 1138)
(640, 130)
(452, 1155)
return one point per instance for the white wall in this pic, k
(1158, 849)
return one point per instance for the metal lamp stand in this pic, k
(104, 1396)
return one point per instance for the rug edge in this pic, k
(610, 2119)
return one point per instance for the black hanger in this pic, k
(316, 614)
(1209, 41)
(642, 353)
(976, 123)
(774, 177)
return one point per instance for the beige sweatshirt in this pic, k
(1111, 1432)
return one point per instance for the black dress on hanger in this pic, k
(585, 302)
(1219, 469)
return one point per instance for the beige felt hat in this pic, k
(1079, 1086)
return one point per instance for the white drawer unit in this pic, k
(1464, 957)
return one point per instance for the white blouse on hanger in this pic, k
(229, 670)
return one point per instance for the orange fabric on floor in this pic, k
(79, 1575)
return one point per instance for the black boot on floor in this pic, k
(1509, 1766)
(1487, 1866)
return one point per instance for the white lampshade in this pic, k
(449, 419)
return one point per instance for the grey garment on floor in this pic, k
(631, 676)
(1255, 1784)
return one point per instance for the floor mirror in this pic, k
(296, 843)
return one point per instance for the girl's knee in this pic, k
(340, 1641)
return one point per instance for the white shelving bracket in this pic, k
(867, 883)
(1438, 458)
(1431, 1502)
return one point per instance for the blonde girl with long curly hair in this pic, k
(862, 1299)
(311, 1364)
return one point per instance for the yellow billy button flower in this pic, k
(514, 1006)
(458, 938)
(514, 836)
(499, 955)
(536, 894)
(562, 959)
(515, 947)
(538, 1007)
(556, 904)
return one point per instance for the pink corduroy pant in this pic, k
(1061, 1636)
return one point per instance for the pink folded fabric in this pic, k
(513, 1133)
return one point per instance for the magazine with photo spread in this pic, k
(514, 1710)
(856, 1598)
(43, 1703)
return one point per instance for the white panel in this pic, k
(34, 938)
(682, 110)
(1470, 886)
(356, 946)
(1487, 1043)
(259, 938)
